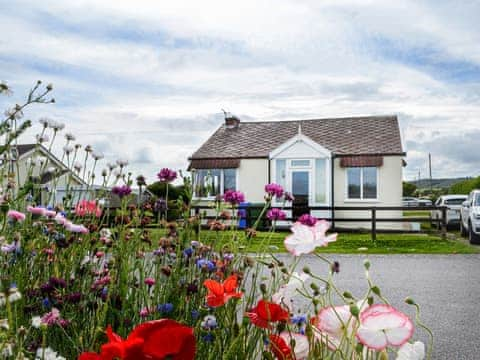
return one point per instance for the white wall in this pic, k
(252, 178)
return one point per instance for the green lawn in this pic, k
(347, 243)
(417, 213)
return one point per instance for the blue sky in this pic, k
(147, 80)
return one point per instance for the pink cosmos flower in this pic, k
(16, 215)
(88, 207)
(36, 210)
(383, 325)
(306, 238)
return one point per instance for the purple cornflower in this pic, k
(234, 197)
(167, 175)
(122, 190)
(274, 190)
(307, 219)
(276, 214)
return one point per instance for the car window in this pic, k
(477, 199)
(458, 201)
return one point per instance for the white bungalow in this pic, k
(355, 161)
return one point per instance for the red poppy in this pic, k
(266, 312)
(219, 294)
(153, 340)
(280, 348)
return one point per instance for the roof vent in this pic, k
(231, 121)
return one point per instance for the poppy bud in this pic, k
(306, 270)
(376, 290)
(410, 301)
(370, 300)
(366, 263)
(347, 295)
(263, 288)
(354, 310)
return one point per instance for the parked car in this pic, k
(424, 202)
(454, 206)
(409, 201)
(470, 217)
(414, 202)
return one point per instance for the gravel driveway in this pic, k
(447, 287)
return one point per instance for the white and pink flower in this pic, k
(287, 291)
(382, 326)
(408, 351)
(305, 239)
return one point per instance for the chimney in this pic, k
(231, 121)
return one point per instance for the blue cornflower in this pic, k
(46, 303)
(188, 252)
(165, 308)
(299, 319)
(195, 314)
(208, 337)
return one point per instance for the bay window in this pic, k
(362, 183)
(213, 182)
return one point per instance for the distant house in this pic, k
(37, 163)
(353, 161)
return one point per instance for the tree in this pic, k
(408, 188)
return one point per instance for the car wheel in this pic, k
(472, 237)
(463, 231)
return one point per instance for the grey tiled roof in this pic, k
(347, 136)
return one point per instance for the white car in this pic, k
(454, 206)
(409, 201)
(470, 217)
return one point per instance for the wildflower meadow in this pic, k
(82, 279)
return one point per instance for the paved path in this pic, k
(446, 286)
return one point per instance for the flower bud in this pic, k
(354, 310)
(263, 288)
(410, 301)
(347, 295)
(370, 300)
(376, 290)
(383, 355)
(366, 263)
(306, 270)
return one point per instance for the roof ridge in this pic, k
(324, 119)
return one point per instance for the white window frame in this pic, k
(222, 178)
(361, 199)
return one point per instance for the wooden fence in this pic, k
(441, 222)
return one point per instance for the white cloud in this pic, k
(147, 80)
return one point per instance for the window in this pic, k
(212, 182)
(300, 163)
(362, 183)
(281, 172)
(320, 181)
